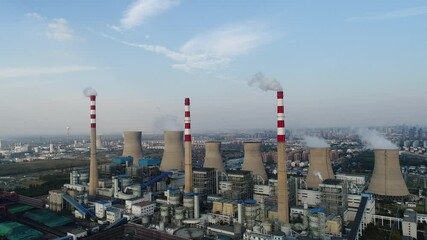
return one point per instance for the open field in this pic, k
(10, 169)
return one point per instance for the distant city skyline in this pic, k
(341, 64)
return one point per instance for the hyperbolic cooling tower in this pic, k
(98, 141)
(252, 160)
(173, 154)
(386, 178)
(132, 146)
(320, 167)
(213, 156)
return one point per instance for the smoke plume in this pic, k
(264, 83)
(166, 123)
(89, 92)
(315, 142)
(374, 140)
(319, 175)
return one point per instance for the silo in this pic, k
(173, 154)
(213, 157)
(387, 180)
(320, 167)
(252, 160)
(132, 146)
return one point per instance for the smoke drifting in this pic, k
(166, 123)
(89, 92)
(264, 83)
(315, 142)
(319, 175)
(373, 140)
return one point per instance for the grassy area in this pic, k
(51, 181)
(11, 169)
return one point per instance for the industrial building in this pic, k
(171, 199)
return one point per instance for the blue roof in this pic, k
(317, 210)
(148, 162)
(121, 160)
(103, 202)
(250, 201)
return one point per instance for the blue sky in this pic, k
(340, 63)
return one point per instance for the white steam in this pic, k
(374, 140)
(166, 123)
(89, 92)
(318, 174)
(264, 83)
(315, 142)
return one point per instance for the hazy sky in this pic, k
(341, 63)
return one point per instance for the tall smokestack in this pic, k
(282, 175)
(187, 146)
(320, 167)
(252, 160)
(132, 146)
(387, 180)
(173, 154)
(93, 182)
(213, 157)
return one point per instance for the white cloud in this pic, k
(35, 15)
(6, 73)
(60, 30)
(140, 10)
(402, 13)
(214, 49)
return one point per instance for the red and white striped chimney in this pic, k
(282, 178)
(280, 118)
(93, 182)
(188, 168)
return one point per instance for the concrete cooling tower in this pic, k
(132, 146)
(99, 141)
(173, 154)
(386, 178)
(213, 157)
(320, 167)
(252, 160)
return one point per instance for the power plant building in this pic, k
(204, 180)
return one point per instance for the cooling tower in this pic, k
(93, 182)
(188, 164)
(282, 174)
(173, 154)
(213, 156)
(132, 146)
(320, 167)
(252, 160)
(386, 178)
(99, 141)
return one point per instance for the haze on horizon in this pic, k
(340, 64)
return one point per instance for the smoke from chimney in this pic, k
(374, 140)
(89, 92)
(315, 142)
(166, 122)
(264, 83)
